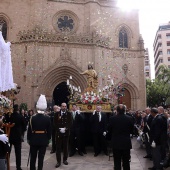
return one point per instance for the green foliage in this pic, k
(23, 106)
(164, 74)
(168, 101)
(158, 90)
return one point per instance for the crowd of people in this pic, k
(67, 130)
(152, 127)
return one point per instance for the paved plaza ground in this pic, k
(86, 162)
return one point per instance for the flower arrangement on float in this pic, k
(90, 98)
(4, 101)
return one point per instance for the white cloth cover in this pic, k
(6, 76)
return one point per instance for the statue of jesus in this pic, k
(92, 79)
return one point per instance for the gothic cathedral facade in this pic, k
(55, 39)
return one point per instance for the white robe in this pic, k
(6, 75)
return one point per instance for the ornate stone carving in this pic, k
(100, 2)
(125, 68)
(39, 35)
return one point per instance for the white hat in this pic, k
(41, 104)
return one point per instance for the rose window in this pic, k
(65, 23)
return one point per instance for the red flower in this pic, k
(94, 101)
(86, 101)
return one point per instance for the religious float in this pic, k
(8, 89)
(92, 96)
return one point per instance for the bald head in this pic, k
(56, 108)
(148, 110)
(160, 109)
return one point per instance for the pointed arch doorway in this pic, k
(126, 99)
(61, 94)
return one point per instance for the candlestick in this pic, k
(67, 81)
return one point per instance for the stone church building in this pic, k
(55, 39)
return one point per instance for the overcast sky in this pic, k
(152, 13)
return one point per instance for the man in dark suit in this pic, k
(15, 137)
(98, 128)
(155, 139)
(121, 127)
(39, 134)
(164, 136)
(76, 132)
(62, 123)
(146, 130)
(55, 109)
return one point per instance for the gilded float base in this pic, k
(91, 107)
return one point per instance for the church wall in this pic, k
(92, 17)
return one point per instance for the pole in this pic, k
(28, 159)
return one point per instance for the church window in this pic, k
(123, 38)
(3, 28)
(65, 23)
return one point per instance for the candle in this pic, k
(67, 82)
(99, 91)
(106, 96)
(70, 77)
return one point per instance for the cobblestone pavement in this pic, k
(86, 162)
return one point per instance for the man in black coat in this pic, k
(121, 127)
(98, 127)
(155, 139)
(76, 132)
(55, 109)
(15, 137)
(164, 136)
(39, 134)
(146, 130)
(62, 123)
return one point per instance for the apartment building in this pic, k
(161, 47)
(147, 65)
